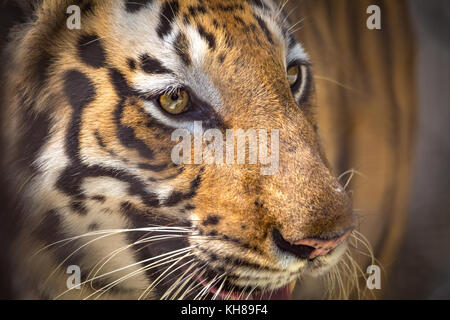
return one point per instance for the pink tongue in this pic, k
(283, 293)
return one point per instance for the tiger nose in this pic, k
(309, 248)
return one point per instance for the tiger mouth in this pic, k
(218, 292)
(223, 290)
(282, 293)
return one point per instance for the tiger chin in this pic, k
(88, 120)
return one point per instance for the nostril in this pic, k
(300, 250)
(309, 248)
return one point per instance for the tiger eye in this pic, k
(293, 74)
(174, 103)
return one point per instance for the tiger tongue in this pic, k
(283, 293)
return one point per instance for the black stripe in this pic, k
(133, 6)
(209, 37)
(152, 65)
(80, 92)
(182, 48)
(127, 136)
(257, 3)
(91, 51)
(99, 198)
(120, 83)
(211, 220)
(131, 64)
(102, 145)
(99, 139)
(228, 8)
(176, 197)
(71, 179)
(166, 17)
(79, 207)
(153, 167)
(263, 26)
(237, 262)
(195, 10)
(43, 65)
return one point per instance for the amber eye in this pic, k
(293, 74)
(175, 102)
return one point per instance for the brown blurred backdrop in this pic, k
(383, 99)
(423, 263)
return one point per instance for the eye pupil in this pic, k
(175, 102)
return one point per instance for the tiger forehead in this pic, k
(221, 24)
(223, 18)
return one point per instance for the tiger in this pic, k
(88, 116)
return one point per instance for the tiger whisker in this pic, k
(182, 283)
(219, 289)
(343, 279)
(289, 14)
(161, 278)
(271, 293)
(295, 30)
(115, 231)
(206, 288)
(230, 293)
(361, 238)
(134, 273)
(117, 251)
(342, 293)
(179, 281)
(280, 9)
(291, 28)
(205, 293)
(361, 272)
(243, 290)
(349, 180)
(192, 286)
(250, 293)
(352, 276)
(114, 283)
(169, 254)
(347, 87)
(71, 254)
(352, 173)
(191, 277)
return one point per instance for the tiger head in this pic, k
(91, 150)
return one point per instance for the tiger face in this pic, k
(103, 191)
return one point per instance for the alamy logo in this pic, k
(74, 20)
(374, 20)
(74, 280)
(231, 149)
(374, 278)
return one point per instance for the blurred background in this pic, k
(423, 265)
(374, 120)
(384, 110)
